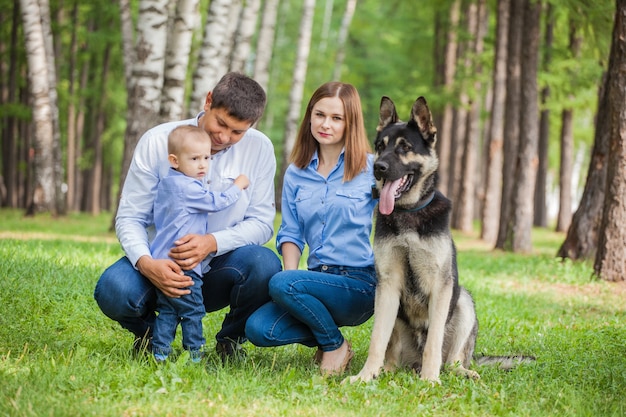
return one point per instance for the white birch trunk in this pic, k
(185, 21)
(265, 44)
(209, 67)
(43, 197)
(144, 98)
(297, 88)
(342, 38)
(243, 38)
(299, 76)
(128, 41)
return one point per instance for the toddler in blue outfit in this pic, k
(181, 208)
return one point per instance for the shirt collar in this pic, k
(315, 159)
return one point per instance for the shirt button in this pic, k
(324, 267)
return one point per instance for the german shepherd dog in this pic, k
(423, 318)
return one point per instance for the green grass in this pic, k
(60, 356)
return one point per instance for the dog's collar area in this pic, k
(424, 203)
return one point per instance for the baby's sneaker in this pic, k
(196, 356)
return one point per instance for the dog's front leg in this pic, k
(438, 306)
(386, 306)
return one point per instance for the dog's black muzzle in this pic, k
(380, 169)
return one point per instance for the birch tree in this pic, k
(144, 98)
(265, 43)
(243, 37)
(342, 38)
(43, 197)
(186, 20)
(296, 92)
(210, 60)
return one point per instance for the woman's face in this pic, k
(328, 121)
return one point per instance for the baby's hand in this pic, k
(242, 182)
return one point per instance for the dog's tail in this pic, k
(505, 363)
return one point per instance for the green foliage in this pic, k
(59, 355)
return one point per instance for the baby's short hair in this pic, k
(177, 137)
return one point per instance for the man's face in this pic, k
(223, 129)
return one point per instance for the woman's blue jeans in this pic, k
(238, 279)
(309, 306)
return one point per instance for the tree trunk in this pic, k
(567, 150)
(540, 206)
(71, 112)
(582, 236)
(610, 262)
(210, 61)
(243, 37)
(511, 119)
(265, 44)
(495, 138)
(42, 197)
(464, 205)
(296, 92)
(343, 36)
(57, 153)
(143, 101)
(9, 123)
(445, 133)
(186, 20)
(526, 169)
(128, 42)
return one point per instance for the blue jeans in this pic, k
(308, 307)
(238, 278)
(187, 310)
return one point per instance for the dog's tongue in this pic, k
(388, 196)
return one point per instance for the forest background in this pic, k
(515, 87)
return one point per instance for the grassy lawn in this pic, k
(60, 356)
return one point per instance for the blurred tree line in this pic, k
(514, 87)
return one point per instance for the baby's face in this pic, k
(194, 158)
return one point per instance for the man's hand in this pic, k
(191, 249)
(166, 275)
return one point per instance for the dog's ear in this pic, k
(420, 113)
(388, 114)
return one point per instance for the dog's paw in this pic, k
(433, 381)
(432, 377)
(472, 374)
(360, 377)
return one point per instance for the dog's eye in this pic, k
(404, 147)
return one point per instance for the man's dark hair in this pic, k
(241, 96)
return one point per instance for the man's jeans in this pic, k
(308, 307)
(238, 278)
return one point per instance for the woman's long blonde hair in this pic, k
(355, 139)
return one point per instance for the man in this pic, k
(236, 268)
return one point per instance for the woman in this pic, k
(326, 204)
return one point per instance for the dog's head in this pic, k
(405, 159)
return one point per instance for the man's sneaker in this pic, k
(230, 350)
